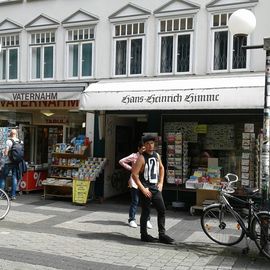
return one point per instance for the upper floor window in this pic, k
(80, 47)
(227, 51)
(42, 50)
(175, 43)
(128, 49)
(9, 57)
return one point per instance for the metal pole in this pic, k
(266, 133)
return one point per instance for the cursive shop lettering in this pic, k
(191, 98)
(163, 99)
(177, 98)
(132, 99)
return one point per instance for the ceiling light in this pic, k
(47, 113)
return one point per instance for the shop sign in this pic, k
(34, 104)
(235, 98)
(80, 191)
(57, 120)
(202, 129)
(206, 92)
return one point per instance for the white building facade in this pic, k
(142, 64)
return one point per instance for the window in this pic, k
(128, 49)
(80, 46)
(9, 57)
(175, 38)
(228, 53)
(42, 46)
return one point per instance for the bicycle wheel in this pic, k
(4, 204)
(261, 232)
(219, 225)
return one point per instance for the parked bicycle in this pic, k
(224, 225)
(4, 204)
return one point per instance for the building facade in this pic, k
(147, 66)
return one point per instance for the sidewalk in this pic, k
(50, 234)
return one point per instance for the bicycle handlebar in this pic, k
(228, 188)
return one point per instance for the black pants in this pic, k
(158, 203)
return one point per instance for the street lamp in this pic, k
(243, 22)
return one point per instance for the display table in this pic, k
(73, 176)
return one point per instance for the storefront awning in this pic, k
(36, 96)
(216, 92)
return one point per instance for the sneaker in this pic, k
(148, 238)
(13, 198)
(165, 239)
(149, 225)
(133, 224)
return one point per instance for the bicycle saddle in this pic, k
(251, 191)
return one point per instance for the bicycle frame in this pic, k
(251, 211)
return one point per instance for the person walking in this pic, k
(16, 168)
(127, 163)
(148, 173)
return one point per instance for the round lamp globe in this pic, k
(242, 22)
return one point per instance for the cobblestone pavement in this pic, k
(48, 234)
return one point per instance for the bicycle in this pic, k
(225, 226)
(4, 204)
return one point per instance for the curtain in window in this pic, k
(3, 65)
(136, 56)
(166, 55)
(121, 57)
(183, 53)
(220, 50)
(86, 60)
(73, 56)
(35, 73)
(13, 64)
(48, 62)
(239, 57)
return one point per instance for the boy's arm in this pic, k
(161, 174)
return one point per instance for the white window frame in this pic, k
(7, 49)
(128, 56)
(175, 34)
(129, 38)
(80, 45)
(47, 34)
(229, 48)
(80, 42)
(175, 46)
(42, 46)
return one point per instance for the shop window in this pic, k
(9, 58)
(80, 48)
(128, 49)
(227, 52)
(175, 38)
(42, 49)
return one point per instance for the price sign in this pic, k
(80, 191)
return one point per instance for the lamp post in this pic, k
(243, 22)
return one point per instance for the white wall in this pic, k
(59, 10)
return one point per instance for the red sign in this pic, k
(32, 180)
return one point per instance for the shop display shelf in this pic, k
(69, 155)
(66, 166)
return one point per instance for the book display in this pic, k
(177, 159)
(67, 169)
(248, 156)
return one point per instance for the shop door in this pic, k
(29, 138)
(123, 143)
(47, 137)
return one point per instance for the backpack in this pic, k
(16, 152)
